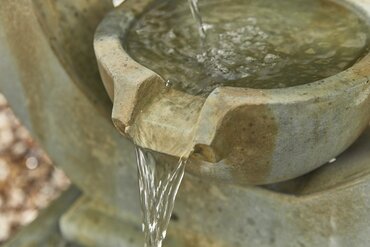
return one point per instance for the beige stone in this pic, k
(238, 135)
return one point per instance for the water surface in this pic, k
(248, 43)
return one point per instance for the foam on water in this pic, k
(248, 43)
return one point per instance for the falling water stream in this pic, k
(193, 5)
(158, 185)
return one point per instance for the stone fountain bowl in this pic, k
(239, 135)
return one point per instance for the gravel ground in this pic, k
(28, 181)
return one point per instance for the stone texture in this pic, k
(94, 224)
(70, 123)
(236, 135)
(314, 212)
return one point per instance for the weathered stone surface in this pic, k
(237, 135)
(94, 224)
(318, 212)
(72, 124)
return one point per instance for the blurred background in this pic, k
(28, 180)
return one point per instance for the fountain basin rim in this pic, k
(141, 111)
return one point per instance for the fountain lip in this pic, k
(153, 115)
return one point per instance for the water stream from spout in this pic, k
(159, 184)
(193, 5)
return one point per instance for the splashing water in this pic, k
(159, 184)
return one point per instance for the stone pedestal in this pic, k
(328, 207)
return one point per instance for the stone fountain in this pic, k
(49, 74)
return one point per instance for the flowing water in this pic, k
(193, 5)
(248, 43)
(158, 185)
